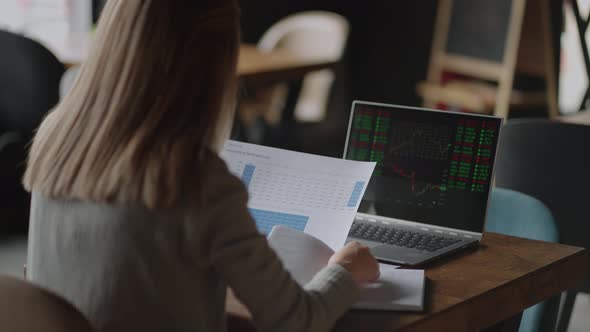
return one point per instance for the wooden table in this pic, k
(487, 287)
(255, 68)
(582, 117)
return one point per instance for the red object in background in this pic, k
(448, 76)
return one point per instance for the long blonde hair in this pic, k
(151, 99)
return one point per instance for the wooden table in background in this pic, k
(582, 117)
(255, 68)
(485, 288)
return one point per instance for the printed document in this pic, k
(314, 194)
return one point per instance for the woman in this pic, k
(134, 217)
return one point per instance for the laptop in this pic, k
(429, 192)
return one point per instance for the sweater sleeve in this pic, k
(241, 257)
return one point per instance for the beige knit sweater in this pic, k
(130, 269)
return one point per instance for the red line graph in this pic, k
(412, 176)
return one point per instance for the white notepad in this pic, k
(303, 256)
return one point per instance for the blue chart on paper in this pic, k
(248, 174)
(356, 193)
(265, 220)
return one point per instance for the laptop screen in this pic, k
(433, 167)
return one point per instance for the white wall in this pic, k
(573, 80)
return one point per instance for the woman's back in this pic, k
(127, 268)
(132, 269)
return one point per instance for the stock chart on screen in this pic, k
(432, 167)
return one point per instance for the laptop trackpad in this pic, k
(395, 253)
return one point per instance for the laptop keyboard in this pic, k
(398, 237)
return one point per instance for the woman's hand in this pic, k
(359, 261)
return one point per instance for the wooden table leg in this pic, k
(285, 135)
(511, 324)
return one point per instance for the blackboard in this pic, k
(479, 28)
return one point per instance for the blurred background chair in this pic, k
(550, 161)
(29, 87)
(25, 307)
(516, 214)
(314, 34)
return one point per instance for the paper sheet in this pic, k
(303, 256)
(315, 194)
(396, 289)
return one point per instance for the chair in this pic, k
(25, 307)
(517, 214)
(29, 87)
(549, 161)
(307, 34)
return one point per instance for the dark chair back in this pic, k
(25, 307)
(550, 161)
(29, 88)
(29, 82)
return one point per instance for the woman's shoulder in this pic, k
(218, 180)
